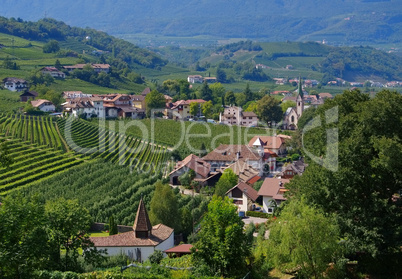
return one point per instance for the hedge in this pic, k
(257, 214)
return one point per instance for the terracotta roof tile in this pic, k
(228, 153)
(273, 187)
(247, 190)
(159, 234)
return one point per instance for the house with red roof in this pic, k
(272, 191)
(53, 72)
(243, 196)
(140, 243)
(191, 162)
(180, 110)
(227, 154)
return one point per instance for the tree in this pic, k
(205, 92)
(268, 110)
(225, 182)
(112, 226)
(68, 228)
(186, 178)
(222, 245)
(251, 106)
(220, 75)
(58, 65)
(218, 91)
(9, 64)
(164, 207)
(207, 109)
(249, 94)
(23, 238)
(304, 238)
(361, 192)
(5, 158)
(154, 100)
(194, 108)
(241, 99)
(51, 46)
(230, 98)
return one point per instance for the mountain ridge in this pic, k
(340, 21)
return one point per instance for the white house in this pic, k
(87, 106)
(43, 105)
(272, 191)
(53, 72)
(15, 84)
(195, 79)
(243, 196)
(140, 243)
(236, 116)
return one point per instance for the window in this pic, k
(250, 117)
(270, 210)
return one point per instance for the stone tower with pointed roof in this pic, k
(299, 99)
(142, 226)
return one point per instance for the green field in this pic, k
(187, 137)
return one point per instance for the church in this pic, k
(293, 114)
(140, 243)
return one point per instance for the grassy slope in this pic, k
(29, 56)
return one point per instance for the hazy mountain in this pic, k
(341, 21)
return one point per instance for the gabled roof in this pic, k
(196, 164)
(249, 191)
(244, 171)
(186, 102)
(30, 94)
(39, 102)
(231, 153)
(249, 114)
(159, 234)
(146, 91)
(183, 248)
(14, 80)
(274, 188)
(142, 223)
(268, 141)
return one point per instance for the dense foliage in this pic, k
(354, 173)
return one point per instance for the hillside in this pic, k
(339, 21)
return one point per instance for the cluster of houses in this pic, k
(251, 163)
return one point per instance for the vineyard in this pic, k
(107, 189)
(185, 135)
(32, 129)
(42, 146)
(32, 163)
(96, 142)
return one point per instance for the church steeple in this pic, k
(299, 99)
(142, 226)
(299, 88)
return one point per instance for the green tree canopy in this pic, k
(303, 237)
(164, 207)
(23, 238)
(205, 92)
(207, 109)
(225, 182)
(268, 110)
(222, 244)
(194, 108)
(154, 100)
(361, 192)
(230, 98)
(51, 46)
